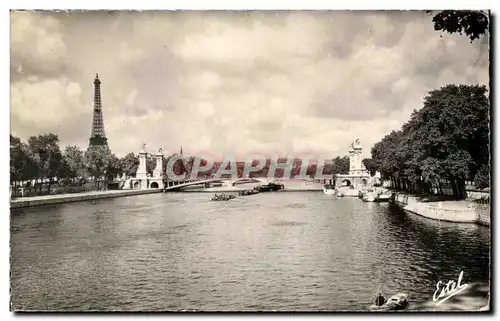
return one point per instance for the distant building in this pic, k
(97, 135)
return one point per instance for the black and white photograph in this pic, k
(250, 161)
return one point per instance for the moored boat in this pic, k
(370, 197)
(384, 197)
(248, 192)
(347, 191)
(223, 197)
(395, 302)
(329, 189)
(274, 187)
(377, 195)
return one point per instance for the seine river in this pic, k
(273, 251)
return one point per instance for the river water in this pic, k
(273, 251)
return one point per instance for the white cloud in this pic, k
(43, 104)
(73, 89)
(132, 97)
(231, 82)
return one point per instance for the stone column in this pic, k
(141, 170)
(157, 173)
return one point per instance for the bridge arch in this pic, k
(346, 182)
(154, 185)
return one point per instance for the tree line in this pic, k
(445, 142)
(40, 163)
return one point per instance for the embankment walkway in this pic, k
(22, 202)
(450, 211)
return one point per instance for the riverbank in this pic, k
(451, 211)
(22, 202)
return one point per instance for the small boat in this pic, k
(248, 192)
(329, 189)
(395, 302)
(223, 197)
(384, 197)
(369, 195)
(275, 187)
(377, 195)
(271, 187)
(362, 193)
(262, 188)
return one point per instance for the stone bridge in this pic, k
(178, 185)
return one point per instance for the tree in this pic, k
(296, 166)
(340, 165)
(21, 166)
(45, 152)
(446, 140)
(114, 167)
(228, 165)
(129, 164)
(263, 172)
(240, 168)
(210, 171)
(178, 165)
(188, 165)
(311, 169)
(482, 179)
(97, 160)
(254, 163)
(203, 174)
(456, 119)
(473, 23)
(370, 166)
(74, 167)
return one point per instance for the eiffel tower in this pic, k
(97, 136)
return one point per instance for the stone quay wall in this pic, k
(450, 211)
(77, 197)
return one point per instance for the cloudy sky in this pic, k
(231, 82)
